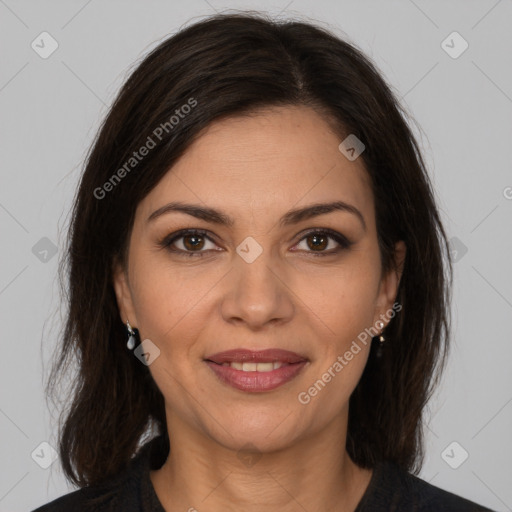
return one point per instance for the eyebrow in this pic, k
(292, 217)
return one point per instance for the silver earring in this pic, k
(131, 339)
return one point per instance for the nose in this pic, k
(258, 294)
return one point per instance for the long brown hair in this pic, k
(231, 64)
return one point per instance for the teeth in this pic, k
(255, 367)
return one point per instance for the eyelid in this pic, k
(339, 238)
(167, 241)
(342, 241)
(327, 231)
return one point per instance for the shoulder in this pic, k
(395, 490)
(116, 494)
(81, 500)
(427, 497)
(121, 492)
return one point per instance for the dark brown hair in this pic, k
(235, 64)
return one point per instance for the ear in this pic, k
(390, 281)
(123, 294)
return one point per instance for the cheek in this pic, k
(345, 299)
(166, 297)
(347, 308)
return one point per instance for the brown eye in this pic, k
(318, 241)
(187, 243)
(193, 242)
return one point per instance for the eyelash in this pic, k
(167, 241)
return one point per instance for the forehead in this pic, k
(267, 161)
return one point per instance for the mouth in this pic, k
(248, 357)
(256, 371)
(255, 367)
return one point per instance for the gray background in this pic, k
(51, 109)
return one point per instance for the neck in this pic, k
(311, 475)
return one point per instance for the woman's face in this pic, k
(258, 283)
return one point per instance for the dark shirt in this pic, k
(391, 489)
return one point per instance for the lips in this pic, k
(261, 356)
(256, 371)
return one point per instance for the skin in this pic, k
(256, 168)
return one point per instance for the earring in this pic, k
(131, 339)
(381, 337)
(379, 351)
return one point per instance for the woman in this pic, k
(258, 280)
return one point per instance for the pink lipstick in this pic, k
(256, 371)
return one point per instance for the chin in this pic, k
(264, 432)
